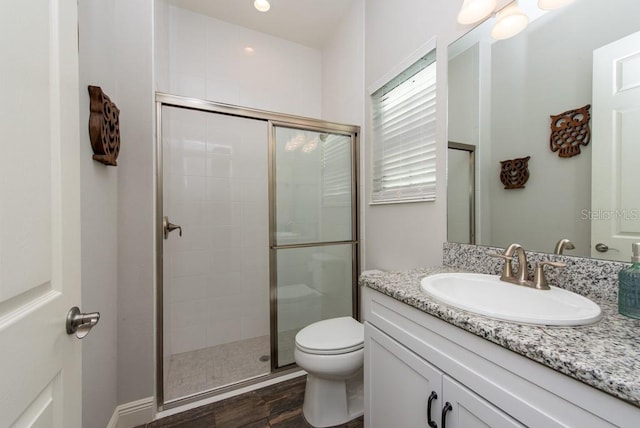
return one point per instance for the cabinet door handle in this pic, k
(447, 408)
(432, 397)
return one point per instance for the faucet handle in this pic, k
(539, 280)
(507, 272)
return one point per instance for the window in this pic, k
(404, 135)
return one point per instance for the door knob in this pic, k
(167, 226)
(81, 323)
(603, 248)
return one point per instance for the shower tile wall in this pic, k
(206, 58)
(217, 273)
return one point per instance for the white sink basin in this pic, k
(487, 295)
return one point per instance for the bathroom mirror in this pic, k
(501, 97)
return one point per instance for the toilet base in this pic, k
(329, 402)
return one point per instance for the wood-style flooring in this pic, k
(278, 405)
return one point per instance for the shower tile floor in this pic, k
(209, 368)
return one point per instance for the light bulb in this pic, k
(553, 4)
(473, 11)
(262, 5)
(310, 146)
(510, 21)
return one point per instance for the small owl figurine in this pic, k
(104, 127)
(569, 131)
(514, 173)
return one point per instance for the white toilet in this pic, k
(331, 351)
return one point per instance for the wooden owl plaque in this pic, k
(514, 173)
(569, 131)
(104, 127)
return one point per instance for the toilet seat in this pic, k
(331, 337)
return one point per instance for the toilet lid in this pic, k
(332, 336)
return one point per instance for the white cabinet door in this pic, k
(39, 214)
(398, 384)
(464, 409)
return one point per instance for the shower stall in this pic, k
(256, 238)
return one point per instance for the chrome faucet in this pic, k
(564, 244)
(521, 276)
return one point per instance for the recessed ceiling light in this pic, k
(262, 5)
(249, 50)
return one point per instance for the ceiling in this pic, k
(308, 22)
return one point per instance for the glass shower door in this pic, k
(216, 265)
(313, 240)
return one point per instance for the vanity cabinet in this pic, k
(410, 354)
(406, 391)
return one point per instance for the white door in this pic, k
(39, 214)
(615, 200)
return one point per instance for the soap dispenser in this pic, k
(629, 286)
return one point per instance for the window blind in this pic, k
(336, 170)
(404, 135)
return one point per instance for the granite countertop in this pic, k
(605, 355)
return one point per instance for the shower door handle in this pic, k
(167, 226)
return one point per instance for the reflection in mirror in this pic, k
(461, 193)
(501, 97)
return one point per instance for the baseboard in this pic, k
(131, 414)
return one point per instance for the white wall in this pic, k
(117, 209)
(207, 60)
(343, 69)
(401, 236)
(136, 206)
(463, 97)
(99, 211)
(343, 86)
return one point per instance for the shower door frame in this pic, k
(273, 120)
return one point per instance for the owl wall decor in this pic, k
(104, 127)
(514, 173)
(569, 131)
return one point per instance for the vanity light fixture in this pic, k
(553, 4)
(509, 21)
(262, 5)
(473, 11)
